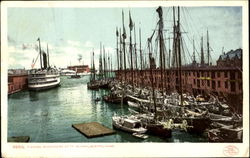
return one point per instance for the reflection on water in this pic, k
(33, 96)
(47, 116)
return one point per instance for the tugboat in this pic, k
(75, 75)
(67, 72)
(46, 77)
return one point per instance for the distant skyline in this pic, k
(71, 32)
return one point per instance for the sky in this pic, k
(70, 32)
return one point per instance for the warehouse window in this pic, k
(218, 74)
(198, 83)
(213, 75)
(232, 86)
(218, 84)
(240, 86)
(225, 74)
(213, 84)
(239, 75)
(208, 83)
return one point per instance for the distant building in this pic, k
(232, 58)
(80, 68)
(17, 80)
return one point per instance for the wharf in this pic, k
(93, 129)
(19, 139)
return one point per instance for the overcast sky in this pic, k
(73, 31)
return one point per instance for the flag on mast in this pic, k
(33, 64)
(124, 30)
(130, 22)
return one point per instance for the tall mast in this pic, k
(48, 54)
(159, 10)
(136, 65)
(40, 52)
(202, 53)
(100, 62)
(108, 65)
(104, 62)
(179, 53)
(92, 68)
(208, 50)
(117, 50)
(169, 53)
(94, 65)
(175, 58)
(135, 49)
(130, 48)
(140, 49)
(151, 76)
(121, 52)
(124, 49)
(142, 83)
(111, 67)
(194, 61)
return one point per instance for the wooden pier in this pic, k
(19, 139)
(93, 129)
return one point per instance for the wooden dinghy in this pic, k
(139, 135)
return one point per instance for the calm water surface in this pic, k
(48, 116)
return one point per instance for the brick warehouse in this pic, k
(80, 68)
(223, 80)
(195, 80)
(17, 80)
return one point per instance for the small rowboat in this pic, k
(133, 104)
(139, 135)
(97, 99)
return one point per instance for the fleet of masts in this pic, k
(122, 57)
(127, 88)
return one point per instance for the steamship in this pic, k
(46, 77)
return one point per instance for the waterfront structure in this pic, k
(80, 69)
(17, 80)
(224, 82)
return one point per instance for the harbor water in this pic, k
(47, 116)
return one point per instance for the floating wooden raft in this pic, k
(19, 139)
(93, 129)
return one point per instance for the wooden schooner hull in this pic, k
(93, 86)
(104, 86)
(199, 125)
(159, 130)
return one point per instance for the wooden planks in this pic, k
(93, 129)
(19, 139)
